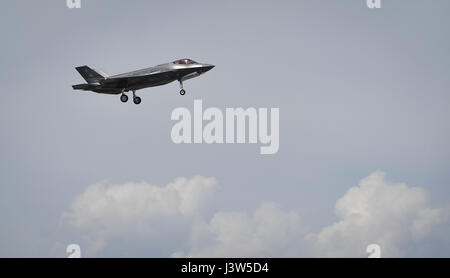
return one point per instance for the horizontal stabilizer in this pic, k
(97, 88)
(84, 87)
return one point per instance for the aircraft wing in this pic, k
(124, 81)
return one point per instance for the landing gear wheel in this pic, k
(182, 91)
(124, 98)
(137, 100)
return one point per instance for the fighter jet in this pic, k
(100, 82)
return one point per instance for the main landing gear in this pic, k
(124, 98)
(136, 99)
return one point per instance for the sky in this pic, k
(363, 96)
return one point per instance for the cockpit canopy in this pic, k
(184, 62)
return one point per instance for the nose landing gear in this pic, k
(182, 91)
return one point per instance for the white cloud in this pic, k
(269, 231)
(426, 219)
(104, 211)
(377, 211)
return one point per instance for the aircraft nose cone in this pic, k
(207, 67)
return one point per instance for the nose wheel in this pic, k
(182, 91)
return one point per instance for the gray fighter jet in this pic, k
(100, 82)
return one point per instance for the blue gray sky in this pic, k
(364, 153)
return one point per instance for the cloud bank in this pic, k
(377, 211)
(389, 214)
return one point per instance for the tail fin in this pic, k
(91, 75)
